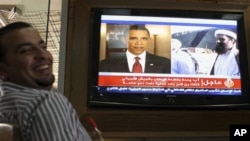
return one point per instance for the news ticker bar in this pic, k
(150, 90)
(169, 82)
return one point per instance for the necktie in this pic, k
(137, 65)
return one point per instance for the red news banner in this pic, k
(169, 81)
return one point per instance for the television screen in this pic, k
(167, 58)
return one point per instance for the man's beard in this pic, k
(221, 48)
(46, 82)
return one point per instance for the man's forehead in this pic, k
(18, 36)
(221, 36)
(17, 32)
(138, 32)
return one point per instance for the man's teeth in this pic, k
(42, 67)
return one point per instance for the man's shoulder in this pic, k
(114, 59)
(19, 91)
(156, 57)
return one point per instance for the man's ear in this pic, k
(3, 71)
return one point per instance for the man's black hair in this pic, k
(138, 27)
(7, 29)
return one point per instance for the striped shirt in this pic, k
(42, 115)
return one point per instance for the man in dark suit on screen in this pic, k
(136, 59)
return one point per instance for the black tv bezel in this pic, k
(157, 100)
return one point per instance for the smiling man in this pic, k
(25, 59)
(27, 98)
(136, 58)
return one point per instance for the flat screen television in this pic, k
(195, 30)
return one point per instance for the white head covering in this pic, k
(225, 32)
(175, 44)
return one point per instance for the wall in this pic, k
(144, 123)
